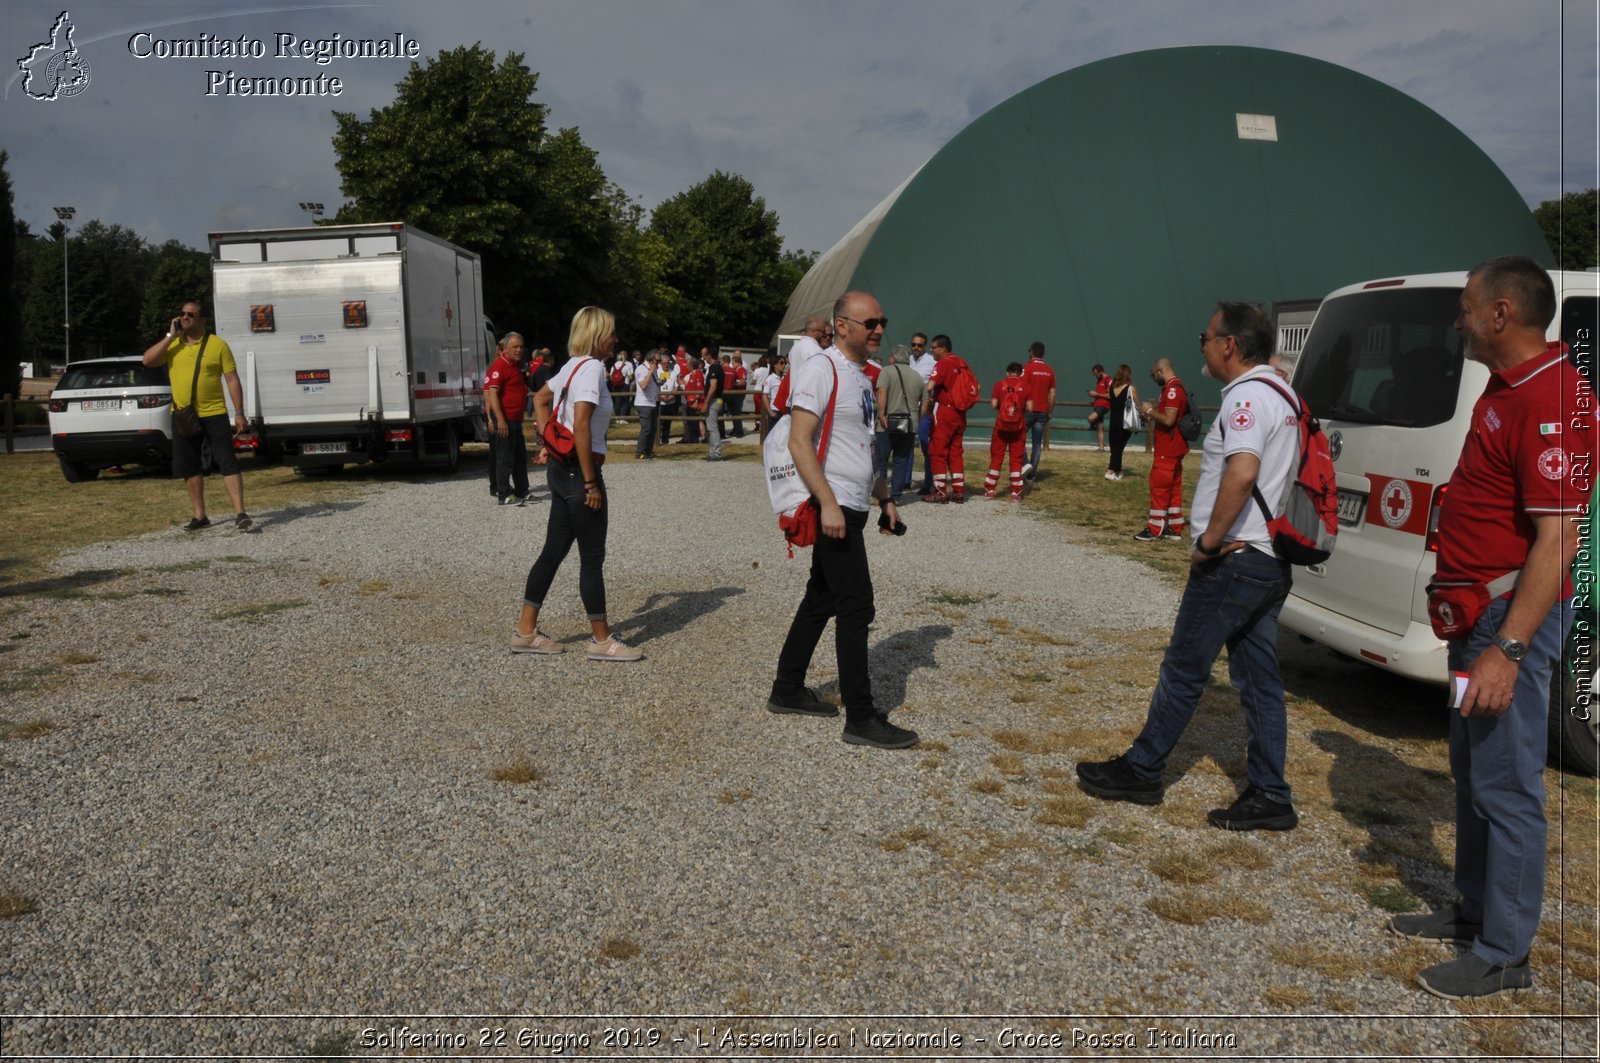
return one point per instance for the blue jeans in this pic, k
(924, 435)
(1233, 602)
(1498, 765)
(1035, 423)
(572, 522)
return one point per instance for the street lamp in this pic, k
(314, 209)
(65, 214)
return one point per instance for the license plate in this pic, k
(103, 405)
(1352, 504)
(325, 448)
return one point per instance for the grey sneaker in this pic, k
(538, 642)
(805, 703)
(613, 649)
(1447, 924)
(1469, 976)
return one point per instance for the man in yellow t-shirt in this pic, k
(184, 342)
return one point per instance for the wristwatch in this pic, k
(1514, 650)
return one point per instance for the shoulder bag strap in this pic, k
(827, 420)
(567, 386)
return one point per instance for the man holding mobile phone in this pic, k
(198, 365)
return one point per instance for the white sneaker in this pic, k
(613, 649)
(1110, 475)
(1027, 470)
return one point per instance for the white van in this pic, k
(1383, 370)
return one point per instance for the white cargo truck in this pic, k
(355, 343)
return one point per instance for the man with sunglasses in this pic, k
(201, 386)
(1236, 587)
(843, 484)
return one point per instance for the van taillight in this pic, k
(58, 405)
(150, 402)
(1431, 543)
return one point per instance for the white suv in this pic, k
(1383, 370)
(110, 411)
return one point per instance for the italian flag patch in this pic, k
(1553, 428)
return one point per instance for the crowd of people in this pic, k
(1507, 535)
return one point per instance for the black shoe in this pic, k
(243, 522)
(805, 703)
(879, 733)
(1143, 536)
(1254, 810)
(1115, 780)
(1447, 924)
(196, 523)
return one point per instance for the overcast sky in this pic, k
(825, 106)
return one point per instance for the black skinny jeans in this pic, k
(572, 521)
(840, 588)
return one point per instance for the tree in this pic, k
(1569, 228)
(180, 273)
(10, 291)
(463, 153)
(109, 267)
(724, 271)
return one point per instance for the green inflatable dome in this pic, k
(1104, 210)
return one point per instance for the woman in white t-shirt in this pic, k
(579, 397)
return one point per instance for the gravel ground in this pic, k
(268, 789)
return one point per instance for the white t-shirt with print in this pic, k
(589, 383)
(848, 465)
(1255, 418)
(645, 388)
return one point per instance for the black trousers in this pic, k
(840, 589)
(510, 462)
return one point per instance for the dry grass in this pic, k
(988, 786)
(1236, 852)
(1186, 907)
(1071, 810)
(519, 772)
(1341, 965)
(1287, 997)
(37, 727)
(1008, 764)
(1184, 868)
(619, 949)
(14, 905)
(729, 797)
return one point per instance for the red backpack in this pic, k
(1012, 399)
(1308, 523)
(961, 391)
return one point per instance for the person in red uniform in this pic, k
(694, 399)
(505, 400)
(949, 425)
(1011, 403)
(1041, 382)
(1508, 533)
(1100, 394)
(1166, 471)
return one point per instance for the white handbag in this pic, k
(1132, 419)
(784, 486)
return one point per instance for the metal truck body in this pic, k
(354, 342)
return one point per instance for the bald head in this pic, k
(858, 325)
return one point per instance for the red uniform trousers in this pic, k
(944, 451)
(1166, 496)
(1001, 443)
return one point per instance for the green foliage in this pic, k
(180, 274)
(463, 153)
(724, 273)
(1569, 228)
(10, 292)
(109, 267)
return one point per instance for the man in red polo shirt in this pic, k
(1508, 532)
(505, 398)
(1166, 471)
(1040, 380)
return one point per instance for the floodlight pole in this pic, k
(65, 214)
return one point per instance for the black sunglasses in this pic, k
(871, 324)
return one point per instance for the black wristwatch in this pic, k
(1514, 650)
(1200, 545)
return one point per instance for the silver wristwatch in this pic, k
(1514, 650)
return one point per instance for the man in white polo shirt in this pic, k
(843, 485)
(1236, 586)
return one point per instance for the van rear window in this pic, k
(1384, 357)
